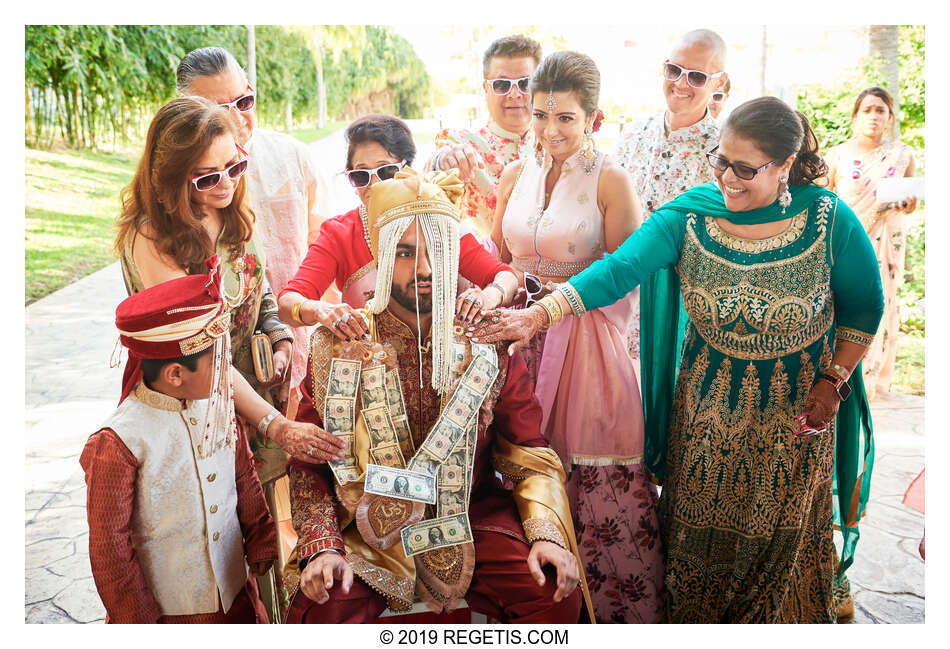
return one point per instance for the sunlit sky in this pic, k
(629, 56)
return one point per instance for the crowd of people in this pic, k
(553, 383)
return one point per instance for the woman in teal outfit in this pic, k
(780, 284)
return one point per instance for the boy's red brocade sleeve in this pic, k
(110, 493)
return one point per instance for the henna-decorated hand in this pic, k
(518, 325)
(306, 442)
(821, 405)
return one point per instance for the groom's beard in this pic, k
(405, 296)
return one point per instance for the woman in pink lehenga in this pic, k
(914, 498)
(557, 213)
(855, 168)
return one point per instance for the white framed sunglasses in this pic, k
(718, 96)
(695, 78)
(207, 182)
(502, 86)
(360, 178)
(243, 103)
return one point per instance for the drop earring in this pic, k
(785, 196)
(589, 150)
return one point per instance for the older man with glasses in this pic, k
(481, 155)
(665, 154)
(718, 100)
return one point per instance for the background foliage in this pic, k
(93, 85)
(828, 108)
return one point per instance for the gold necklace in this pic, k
(234, 301)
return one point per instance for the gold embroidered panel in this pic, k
(763, 310)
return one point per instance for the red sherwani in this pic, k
(502, 586)
(340, 254)
(110, 493)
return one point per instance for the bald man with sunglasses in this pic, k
(665, 154)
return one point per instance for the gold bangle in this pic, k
(295, 311)
(553, 308)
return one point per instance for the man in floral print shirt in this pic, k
(666, 153)
(481, 155)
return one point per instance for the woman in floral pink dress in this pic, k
(557, 213)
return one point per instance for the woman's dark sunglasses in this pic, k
(360, 178)
(502, 86)
(745, 172)
(206, 182)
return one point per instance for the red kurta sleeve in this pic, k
(110, 492)
(312, 499)
(257, 525)
(477, 264)
(325, 258)
(517, 410)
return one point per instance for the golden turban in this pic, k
(407, 194)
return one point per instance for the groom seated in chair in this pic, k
(413, 508)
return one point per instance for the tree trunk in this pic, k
(883, 42)
(251, 59)
(290, 116)
(321, 87)
(30, 130)
(763, 57)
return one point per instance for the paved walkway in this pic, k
(70, 389)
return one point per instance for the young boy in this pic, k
(176, 512)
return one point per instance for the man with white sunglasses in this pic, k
(480, 156)
(665, 154)
(718, 100)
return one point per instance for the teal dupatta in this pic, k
(662, 326)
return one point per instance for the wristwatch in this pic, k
(841, 385)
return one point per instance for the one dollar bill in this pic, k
(400, 483)
(436, 533)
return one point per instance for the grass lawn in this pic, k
(909, 376)
(310, 135)
(72, 201)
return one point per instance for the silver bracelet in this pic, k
(265, 422)
(501, 289)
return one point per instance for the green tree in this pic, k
(828, 107)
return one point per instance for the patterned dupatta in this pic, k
(663, 323)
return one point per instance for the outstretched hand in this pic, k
(518, 325)
(546, 552)
(306, 442)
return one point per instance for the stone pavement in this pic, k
(70, 389)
